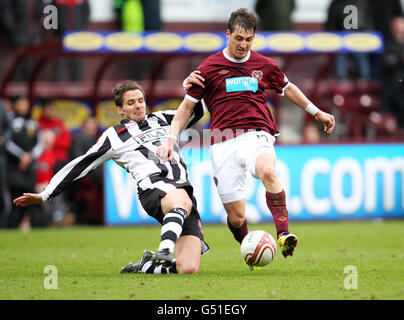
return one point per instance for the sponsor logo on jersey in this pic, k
(151, 135)
(241, 84)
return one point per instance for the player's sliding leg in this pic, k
(145, 265)
(188, 259)
(176, 206)
(276, 202)
(170, 231)
(188, 254)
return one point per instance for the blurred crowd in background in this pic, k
(32, 151)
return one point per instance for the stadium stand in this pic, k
(357, 101)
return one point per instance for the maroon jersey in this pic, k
(235, 91)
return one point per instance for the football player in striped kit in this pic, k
(163, 187)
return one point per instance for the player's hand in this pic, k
(194, 78)
(165, 151)
(326, 119)
(27, 199)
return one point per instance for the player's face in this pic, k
(133, 106)
(240, 42)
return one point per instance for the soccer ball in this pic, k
(258, 248)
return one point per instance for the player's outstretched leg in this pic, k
(170, 231)
(238, 233)
(276, 201)
(163, 257)
(287, 242)
(145, 265)
(277, 205)
(236, 221)
(137, 267)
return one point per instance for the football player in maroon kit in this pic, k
(232, 85)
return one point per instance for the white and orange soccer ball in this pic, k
(258, 248)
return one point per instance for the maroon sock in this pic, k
(238, 233)
(276, 203)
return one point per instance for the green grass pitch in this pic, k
(88, 261)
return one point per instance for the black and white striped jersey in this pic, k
(133, 146)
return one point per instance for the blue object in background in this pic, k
(322, 182)
(210, 42)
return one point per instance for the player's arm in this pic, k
(182, 117)
(199, 109)
(193, 78)
(197, 114)
(74, 170)
(297, 97)
(178, 124)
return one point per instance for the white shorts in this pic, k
(234, 158)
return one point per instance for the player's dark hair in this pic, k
(244, 19)
(121, 88)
